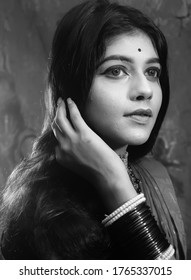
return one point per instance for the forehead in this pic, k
(137, 44)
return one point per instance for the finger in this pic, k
(75, 116)
(62, 121)
(57, 133)
(63, 141)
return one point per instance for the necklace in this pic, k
(134, 180)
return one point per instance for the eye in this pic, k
(115, 72)
(153, 72)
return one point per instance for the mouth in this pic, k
(140, 115)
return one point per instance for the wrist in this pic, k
(132, 226)
(116, 191)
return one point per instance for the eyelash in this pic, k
(110, 69)
(157, 72)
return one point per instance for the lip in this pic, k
(141, 112)
(140, 116)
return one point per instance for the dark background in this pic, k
(26, 30)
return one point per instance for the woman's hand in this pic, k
(84, 152)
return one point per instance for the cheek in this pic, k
(95, 108)
(158, 100)
(101, 100)
(100, 109)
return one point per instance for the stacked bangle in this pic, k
(167, 255)
(121, 209)
(124, 211)
(135, 233)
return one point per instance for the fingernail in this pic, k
(69, 100)
(59, 102)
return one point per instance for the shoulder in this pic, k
(162, 182)
(164, 188)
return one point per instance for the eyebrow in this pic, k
(127, 59)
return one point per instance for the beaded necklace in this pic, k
(134, 180)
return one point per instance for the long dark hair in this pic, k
(78, 45)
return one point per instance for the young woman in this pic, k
(91, 188)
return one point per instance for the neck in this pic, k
(121, 151)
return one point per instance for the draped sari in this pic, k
(160, 196)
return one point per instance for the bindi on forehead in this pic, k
(139, 50)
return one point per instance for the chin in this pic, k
(139, 139)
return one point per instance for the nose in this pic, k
(141, 89)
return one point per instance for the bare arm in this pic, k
(84, 152)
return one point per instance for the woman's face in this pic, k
(125, 95)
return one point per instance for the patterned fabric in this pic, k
(161, 197)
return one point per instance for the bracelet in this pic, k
(136, 235)
(166, 255)
(126, 210)
(121, 208)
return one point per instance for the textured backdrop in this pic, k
(26, 29)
